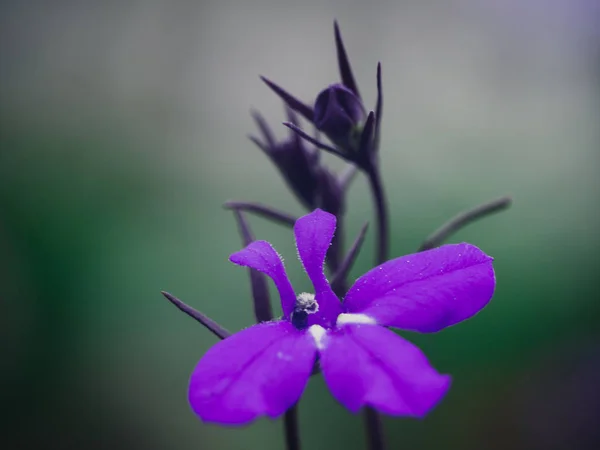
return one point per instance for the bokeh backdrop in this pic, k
(123, 131)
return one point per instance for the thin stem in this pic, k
(212, 326)
(303, 109)
(343, 61)
(347, 177)
(304, 135)
(374, 429)
(366, 157)
(262, 210)
(258, 282)
(334, 253)
(264, 128)
(292, 432)
(338, 281)
(463, 219)
(372, 419)
(378, 110)
(381, 214)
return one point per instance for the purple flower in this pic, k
(263, 370)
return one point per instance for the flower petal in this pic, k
(314, 233)
(260, 255)
(368, 365)
(261, 370)
(426, 291)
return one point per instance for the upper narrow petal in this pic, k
(314, 233)
(261, 370)
(426, 291)
(260, 255)
(369, 365)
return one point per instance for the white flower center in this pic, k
(318, 333)
(347, 319)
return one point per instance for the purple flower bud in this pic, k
(299, 165)
(340, 114)
(298, 168)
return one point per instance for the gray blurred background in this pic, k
(123, 130)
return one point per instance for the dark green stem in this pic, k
(372, 419)
(374, 429)
(381, 215)
(292, 432)
(463, 219)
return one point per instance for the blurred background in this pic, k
(123, 130)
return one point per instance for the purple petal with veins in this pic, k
(262, 371)
(259, 371)
(426, 291)
(314, 233)
(368, 365)
(260, 255)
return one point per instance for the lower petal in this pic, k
(368, 365)
(261, 370)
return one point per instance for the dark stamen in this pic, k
(300, 319)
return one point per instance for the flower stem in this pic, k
(334, 254)
(464, 218)
(258, 281)
(338, 281)
(263, 211)
(347, 177)
(372, 419)
(381, 214)
(212, 326)
(374, 429)
(290, 423)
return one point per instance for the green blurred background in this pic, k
(123, 130)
